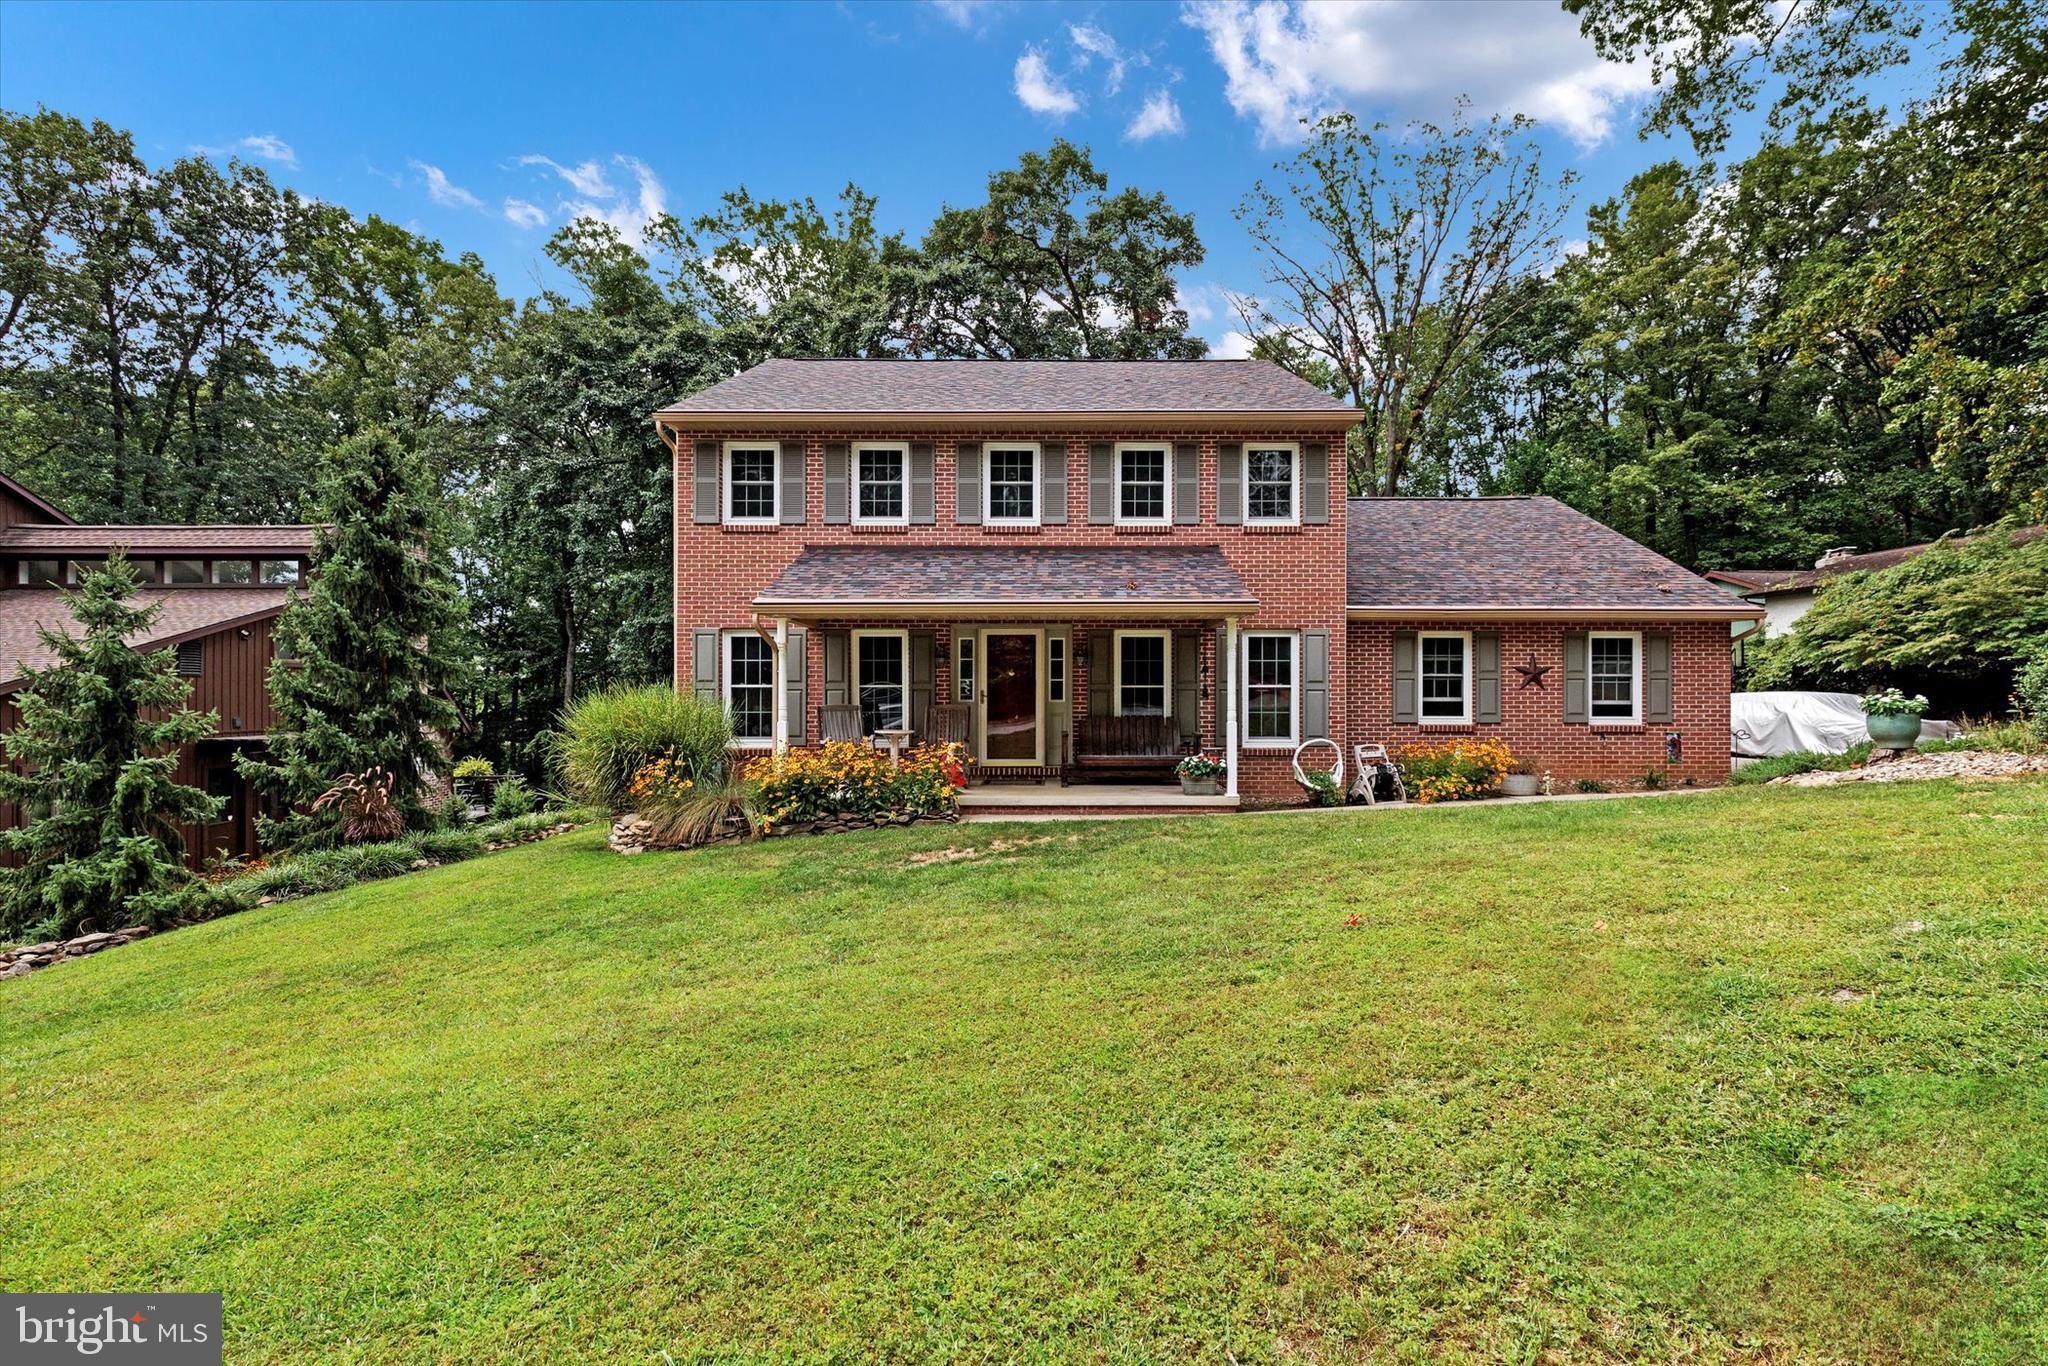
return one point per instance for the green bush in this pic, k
(452, 814)
(513, 798)
(327, 870)
(610, 735)
(476, 766)
(2030, 689)
(1590, 785)
(1323, 789)
(2010, 737)
(1803, 761)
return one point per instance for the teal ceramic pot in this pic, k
(1893, 732)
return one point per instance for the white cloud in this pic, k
(967, 14)
(442, 190)
(1284, 61)
(1090, 42)
(629, 213)
(1232, 346)
(1040, 91)
(262, 146)
(1159, 115)
(522, 214)
(587, 179)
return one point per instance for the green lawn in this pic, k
(1573, 1087)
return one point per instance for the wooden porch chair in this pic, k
(841, 723)
(946, 723)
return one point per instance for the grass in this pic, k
(1575, 1086)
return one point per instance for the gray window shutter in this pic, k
(1575, 712)
(837, 692)
(1187, 683)
(1101, 483)
(967, 472)
(923, 511)
(705, 467)
(790, 462)
(837, 501)
(1187, 483)
(1657, 678)
(1486, 676)
(923, 672)
(1101, 672)
(1315, 483)
(704, 663)
(794, 710)
(1315, 685)
(1230, 483)
(1052, 481)
(1407, 692)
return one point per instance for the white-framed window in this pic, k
(1055, 668)
(184, 571)
(1614, 677)
(1272, 483)
(1010, 485)
(753, 494)
(963, 669)
(750, 687)
(1444, 684)
(881, 483)
(234, 572)
(881, 675)
(1272, 687)
(1143, 679)
(1144, 484)
(40, 573)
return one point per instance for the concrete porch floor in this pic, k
(1007, 801)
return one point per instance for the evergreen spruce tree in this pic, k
(361, 678)
(97, 744)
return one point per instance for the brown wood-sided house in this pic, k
(1071, 562)
(221, 588)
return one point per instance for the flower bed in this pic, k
(843, 780)
(1453, 770)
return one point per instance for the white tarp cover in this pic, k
(1767, 723)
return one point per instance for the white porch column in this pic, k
(1230, 706)
(779, 703)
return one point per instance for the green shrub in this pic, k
(1653, 779)
(1803, 761)
(513, 798)
(2030, 689)
(2010, 737)
(498, 832)
(1590, 785)
(610, 735)
(453, 813)
(447, 846)
(476, 766)
(1323, 789)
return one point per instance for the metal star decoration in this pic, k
(1532, 673)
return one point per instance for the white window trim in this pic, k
(902, 639)
(1116, 672)
(1244, 475)
(1165, 518)
(1057, 644)
(966, 665)
(853, 455)
(1293, 736)
(774, 484)
(988, 483)
(725, 689)
(1635, 711)
(1464, 716)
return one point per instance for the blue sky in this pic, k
(487, 126)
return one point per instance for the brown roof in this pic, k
(1509, 556)
(986, 388)
(244, 539)
(1153, 580)
(187, 612)
(1801, 580)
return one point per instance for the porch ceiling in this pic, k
(1008, 581)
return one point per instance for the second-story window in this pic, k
(750, 483)
(1271, 484)
(277, 571)
(1142, 475)
(1012, 485)
(184, 571)
(234, 571)
(881, 494)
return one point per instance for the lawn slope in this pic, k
(1574, 1084)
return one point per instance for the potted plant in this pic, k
(1893, 718)
(1200, 775)
(1520, 781)
(475, 779)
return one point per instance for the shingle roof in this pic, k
(989, 387)
(1108, 578)
(1409, 555)
(186, 612)
(1798, 580)
(157, 539)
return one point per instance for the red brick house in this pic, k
(221, 587)
(1055, 559)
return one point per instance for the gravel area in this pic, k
(1915, 767)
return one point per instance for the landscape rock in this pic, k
(1905, 767)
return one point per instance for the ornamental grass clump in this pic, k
(846, 779)
(1453, 770)
(607, 737)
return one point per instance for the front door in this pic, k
(1011, 698)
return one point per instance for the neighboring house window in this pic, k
(191, 658)
(1143, 476)
(965, 671)
(1271, 662)
(882, 678)
(1271, 486)
(40, 573)
(1614, 688)
(1012, 486)
(750, 686)
(184, 571)
(1056, 669)
(1446, 676)
(881, 477)
(750, 486)
(279, 572)
(1143, 684)
(234, 571)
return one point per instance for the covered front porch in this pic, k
(1010, 800)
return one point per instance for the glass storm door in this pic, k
(1010, 722)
